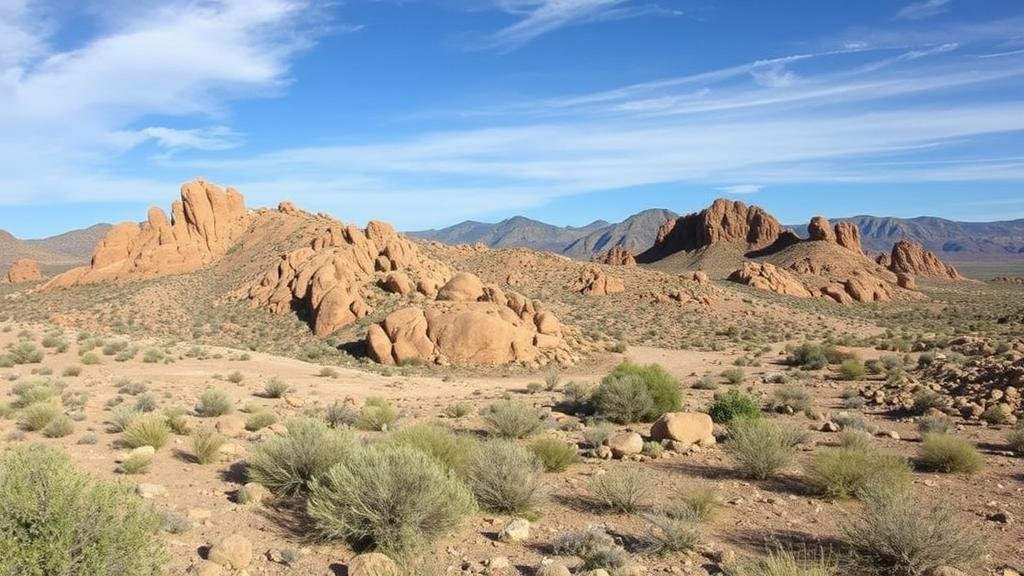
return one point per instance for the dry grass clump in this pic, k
(286, 465)
(786, 563)
(555, 454)
(505, 477)
(148, 430)
(37, 416)
(206, 445)
(948, 453)
(214, 403)
(760, 448)
(623, 490)
(596, 549)
(848, 471)
(513, 419)
(376, 414)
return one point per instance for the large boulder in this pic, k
(23, 270)
(594, 282)
(911, 258)
(764, 276)
(463, 287)
(724, 221)
(684, 427)
(820, 230)
(848, 236)
(616, 256)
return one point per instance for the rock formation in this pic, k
(820, 230)
(594, 282)
(723, 221)
(204, 224)
(911, 258)
(1009, 280)
(848, 236)
(617, 256)
(764, 276)
(23, 270)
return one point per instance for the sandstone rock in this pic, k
(701, 277)
(372, 564)
(257, 493)
(906, 281)
(517, 530)
(594, 282)
(684, 427)
(617, 256)
(23, 270)
(819, 229)
(204, 224)
(287, 208)
(723, 221)
(463, 287)
(204, 568)
(848, 236)
(553, 570)
(764, 276)
(398, 283)
(911, 258)
(233, 552)
(231, 426)
(625, 444)
(864, 287)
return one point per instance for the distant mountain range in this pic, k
(952, 240)
(55, 252)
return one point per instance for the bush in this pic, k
(287, 465)
(122, 417)
(56, 520)
(662, 386)
(376, 414)
(206, 445)
(624, 399)
(851, 370)
(275, 388)
(997, 414)
(555, 454)
(176, 421)
(386, 497)
(948, 453)
(137, 463)
(72, 371)
(795, 398)
(458, 410)
(450, 449)
(596, 435)
(1015, 440)
(152, 356)
(597, 550)
(259, 420)
(734, 404)
(807, 356)
(90, 359)
(849, 471)
(214, 403)
(668, 534)
(698, 502)
(734, 376)
(925, 400)
(898, 534)
(505, 477)
(236, 377)
(38, 415)
(32, 391)
(785, 563)
(59, 427)
(624, 490)
(149, 430)
(759, 447)
(513, 419)
(340, 415)
(937, 423)
(578, 394)
(25, 353)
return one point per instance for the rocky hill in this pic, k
(55, 252)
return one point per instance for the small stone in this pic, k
(372, 564)
(148, 491)
(553, 570)
(516, 530)
(257, 493)
(999, 516)
(625, 444)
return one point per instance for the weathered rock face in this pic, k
(617, 256)
(820, 230)
(848, 236)
(723, 221)
(204, 224)
(24, 270)
(328, 279)
(684, 427)
(911, 258)
(765, 276)
(594, 282)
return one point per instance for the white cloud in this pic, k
(741, 188)
(209, 138)
(923, 9)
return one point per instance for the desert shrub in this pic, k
(32, 391)
(513, 419)
(37, 416)
(899, 534)
(851, 370)
(176, 421)
(148, 430)
(596, 434)
(624, 399)
(853, 438)
(275, 388)
(662, 386)
(72, 371)
(925, 400)
(652, 449)
(113, 347)
(6, 411)
(389, 498)
(376, 414)
(236, 377)
(795, 398)
(555, 454)
(505, 477)
(340, 415)
(25, 353)
(450, 449)
(145, 402)
(152, 355)
(56, 520)
(577, 394)
(551, 381)
(59, 427)
(705, 383)
(259, 420)
(935, 423)
(121, 417)
(88, 439)
(287, 464)
(89, 359)
(847, 472)
(174, 523)
(206, 445)
(734, 404)
(699, 502)
(997, 414)
(596, 549)
(948, 453)
(786, 563)
(458, 410)
(761, 447)
(328, 372)
(137, 463)
(734, 376)
(808, 356)
(623, 490)
(213, 403)
(668, 534)
(848, 421)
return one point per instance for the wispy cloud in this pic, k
(923, 9)
(741, 189)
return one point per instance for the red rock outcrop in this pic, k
(617, 256)
(911, 258)
(764, 276)
(848, 236)
(723, 221)
(23, 270)
(594, 282)
(819, 229)
(204, 224)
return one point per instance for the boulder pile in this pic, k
(616, 256)
(723, 221)
(594, 282)
(764, 276)
(911, 258)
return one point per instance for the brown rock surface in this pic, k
(204, 223)
(684, 427)
(764, 276)
(617, 256)
(723, 221)
(819, 229)
(848, 236)
(911, 258)
(24, 270)
(594, 282)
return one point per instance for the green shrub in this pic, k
(287, 464)
(25, 353)
(668, 534)
(786, 563)
(505, 477)
(699, 502)
(578, 394)
(555, 454)
(795, 398)
(1015, 440)
(137, 463)
(450, 449)
(176, 420)
(948, 453)
(389, 498)
(90, 359)
(760, 447)
(623, 490)
(935, 423)
(275, 388)
(206, 445)
(56, 520)
(458, 410)
(376, 414)
(32, 391)
(259, 420)
(662, 386)
(513, 419)
(597, 550)
(122, 417)
(851, 370)
(734, 376)
(624, 399)
(59, 427)
(148, 430)
(37, 416)
(807, 356)
(997, 414)
(926, 400)
(152, 356)
(899, 534)
(734, 404)
(849, 471)
(214, 403)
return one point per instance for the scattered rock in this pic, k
(594, 282)
(231, 426)
(233, 552)
(625, 444)
(764, 276)
(616, 256)
(372, 564)
(517, 530)
(147, 491)
(685, 428)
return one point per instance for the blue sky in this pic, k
(428, 112)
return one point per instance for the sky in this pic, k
(428, 112)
